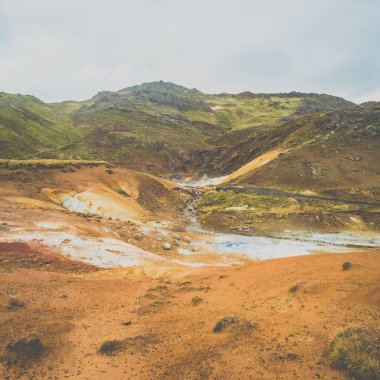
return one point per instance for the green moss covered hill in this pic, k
(158, 127)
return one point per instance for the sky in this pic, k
(71, 49)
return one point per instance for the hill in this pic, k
(29, 126)
(157, 127)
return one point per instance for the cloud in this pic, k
(69, 49)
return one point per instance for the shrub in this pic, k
(122, 192)
(357, 352)
(196, 301)
(237, 323)
(295, 287)
(15, 302)
(110, 346)
(29, 347)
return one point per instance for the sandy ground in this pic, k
(74, 310)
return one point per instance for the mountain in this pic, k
(157, 127)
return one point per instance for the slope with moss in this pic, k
(158, 127)
(334, 153)
(29, 126)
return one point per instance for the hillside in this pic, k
(333, 153)
(29, 126)
(157, 127)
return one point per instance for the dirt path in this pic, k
(254, 164)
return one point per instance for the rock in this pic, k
(176, 242)
(195, 249)
(186, 239)
(347, 265)
(167, 246)
(127, 323)
(176, 236)
(137, 236)
(354, 157)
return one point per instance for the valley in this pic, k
(157, 232)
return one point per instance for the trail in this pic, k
(254, 164)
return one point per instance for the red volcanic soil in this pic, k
(33, 255)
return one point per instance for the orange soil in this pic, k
(97, 187)
(254, 164)
(169, 338)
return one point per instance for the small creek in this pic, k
(285, 244)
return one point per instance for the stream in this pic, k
(285, 244)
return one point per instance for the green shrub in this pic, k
(110, 346)
(122, 192)
(357, 352)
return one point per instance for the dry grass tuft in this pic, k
(357, 352)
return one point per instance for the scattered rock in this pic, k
(167, 246)
(347, 265)
(137, 236)
(127, 323)
(186, 239)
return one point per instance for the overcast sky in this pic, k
(71, 49)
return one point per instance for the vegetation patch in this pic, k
(15, 302)
(122, 192)
(255, 204)
(357, 352)
(196, 301)
(234, 324)
(110, 346)
(295, 287)
(346, 266)
(29, 347)
(47, 164)
(159, 288)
